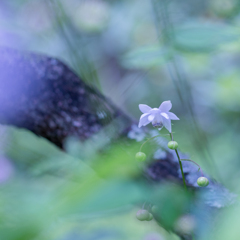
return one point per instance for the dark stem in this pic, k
(180, 164)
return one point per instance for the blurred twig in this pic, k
(84, 68)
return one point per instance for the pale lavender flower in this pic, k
(160, 117)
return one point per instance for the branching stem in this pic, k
(151, 139)
(189, 160)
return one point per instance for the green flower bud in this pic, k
(154, 209)
(143, 215)
(202, 182)
(173, 145)
(150, 217)
(140, 156)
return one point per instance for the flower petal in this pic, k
(172, 116)
(167, 124)
(155, 111)
(144, 120)
(151, 117)
(165, 106)
(158, 120)
(165, 115)
(144, 108)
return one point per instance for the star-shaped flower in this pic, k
(160, 117)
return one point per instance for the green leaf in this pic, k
(203, 36)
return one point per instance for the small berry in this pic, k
(154, 209)
(173, 145)
(143, 215)
(202, 182)
(140, 156)
(150, 217)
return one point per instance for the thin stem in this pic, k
(151, 139)
(180, 164)
(171, 135)
(189, 160)
(165, 32)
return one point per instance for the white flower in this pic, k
(160, 117)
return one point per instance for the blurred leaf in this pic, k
(203, 37)
(145, 57)
(226, 225)
(27, 147)
(98, 196)
(227, 91)
(171, 202)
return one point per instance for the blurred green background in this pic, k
(133, 52)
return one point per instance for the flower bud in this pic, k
(140, 156)
(143, 215)
(154, 209)
(173, 145)
(202, 182)
(150, 217)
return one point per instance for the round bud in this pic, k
(154, 209)
(143, 215)
(140, 156)
(173, 145)
(150, 217)
(202, 182)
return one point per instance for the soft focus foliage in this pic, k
(133, 51)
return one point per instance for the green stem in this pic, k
(180, 164)
(189, 160)
(149, 140)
